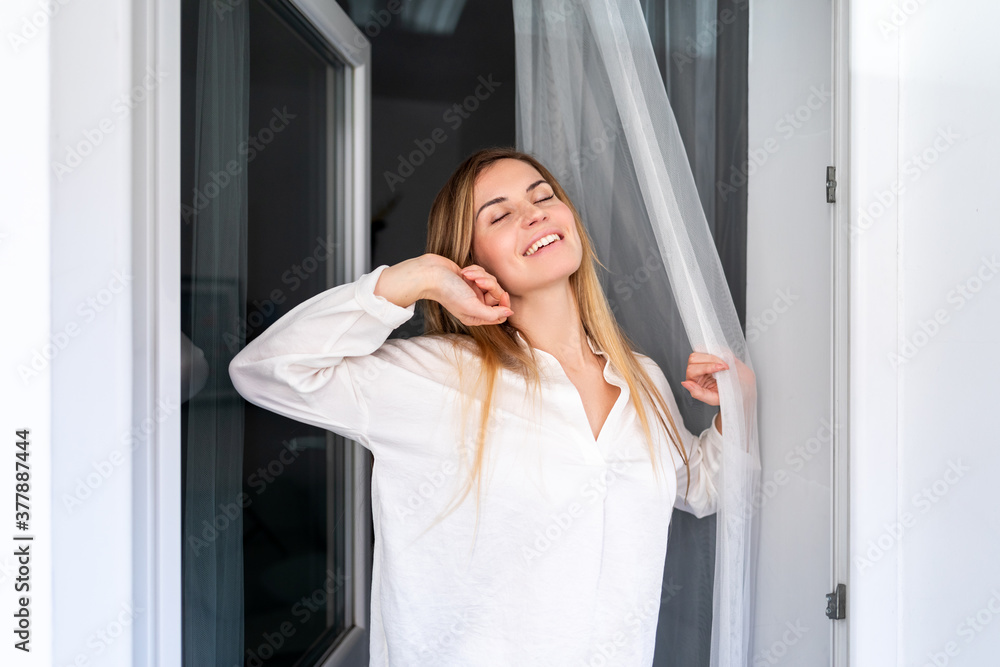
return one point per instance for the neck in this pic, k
(550, 317)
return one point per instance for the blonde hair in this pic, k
(450, 234)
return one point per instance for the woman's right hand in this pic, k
(471, 294)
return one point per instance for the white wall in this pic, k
(65, 248)
(25, 388)
(91, 82)
(925, 86)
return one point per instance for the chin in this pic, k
(545, 273)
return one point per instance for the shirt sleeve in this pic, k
(305, 366)
(704, 453)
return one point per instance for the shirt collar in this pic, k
(594, 347)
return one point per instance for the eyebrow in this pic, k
(502, 199)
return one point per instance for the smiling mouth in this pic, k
(548, 240)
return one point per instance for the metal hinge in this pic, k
(831, 184)
(836, 603)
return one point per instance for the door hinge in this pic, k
(831, 184)
(836, 603)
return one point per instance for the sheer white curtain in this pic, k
(213, 614)
(591, 105)
(685, 51)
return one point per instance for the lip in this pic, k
(542, 235)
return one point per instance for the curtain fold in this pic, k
(592, 106)
(701, 50)
(685, 47)
(213, 614)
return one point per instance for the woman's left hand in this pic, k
(700, 381)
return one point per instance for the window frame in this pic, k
(156, 469)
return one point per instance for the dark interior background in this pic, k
(418, 76)
(419, 73)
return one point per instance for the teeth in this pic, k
(544, 241)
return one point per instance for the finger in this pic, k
(486, 315)
(482, 292)
(477, 289)
(472, 269)
(488, 312)
(475, 272)
(698, 392)
(473, 277)
(705, 382)
(699, 370)
(704, 357)
(492, 287)
(709, 366)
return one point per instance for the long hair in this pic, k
(450, 234)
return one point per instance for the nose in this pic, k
(532, 214)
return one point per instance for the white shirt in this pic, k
(567, 566)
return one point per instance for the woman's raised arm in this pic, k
(307, 365)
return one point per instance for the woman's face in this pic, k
(515, 207)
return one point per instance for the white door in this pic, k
(793, 255)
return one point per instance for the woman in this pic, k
(560, 559)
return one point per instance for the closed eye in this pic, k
(537, 202)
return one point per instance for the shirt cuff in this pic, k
(377, 306)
